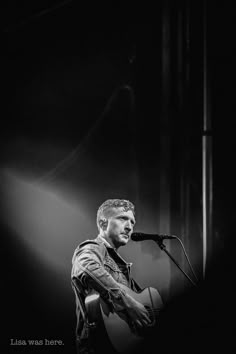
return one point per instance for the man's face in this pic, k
(120, 224)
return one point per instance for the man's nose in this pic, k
(128, 225)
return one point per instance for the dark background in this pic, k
(92, 80)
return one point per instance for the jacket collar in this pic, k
(106, 243)
(102, 240)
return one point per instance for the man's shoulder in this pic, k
(91, 243)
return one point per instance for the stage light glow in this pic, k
(46, 222)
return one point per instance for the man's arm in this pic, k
(89, 269)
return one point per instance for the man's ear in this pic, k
(103, 223)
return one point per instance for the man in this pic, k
(98, 267)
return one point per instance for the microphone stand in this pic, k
(163, 248)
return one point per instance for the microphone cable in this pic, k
(186, 256)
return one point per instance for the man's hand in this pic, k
(137, 313)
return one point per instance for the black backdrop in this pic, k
(71, 67)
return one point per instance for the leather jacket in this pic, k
(96, 266)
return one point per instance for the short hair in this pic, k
(113, 203)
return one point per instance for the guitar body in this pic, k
(113, 332)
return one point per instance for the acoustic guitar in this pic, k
(115, 332)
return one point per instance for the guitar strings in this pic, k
(154, 311)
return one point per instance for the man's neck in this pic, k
(106, 241)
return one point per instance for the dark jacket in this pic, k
(96, 266)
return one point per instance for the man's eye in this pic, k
(125, 219)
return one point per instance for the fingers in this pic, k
(143, 321)
(138, 324)
(146, 318)
(143, 317)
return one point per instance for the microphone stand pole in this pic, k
(163, 248)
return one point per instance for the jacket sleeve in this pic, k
(88, 267)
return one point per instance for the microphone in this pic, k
(140, 236)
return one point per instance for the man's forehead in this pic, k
(121, 211)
